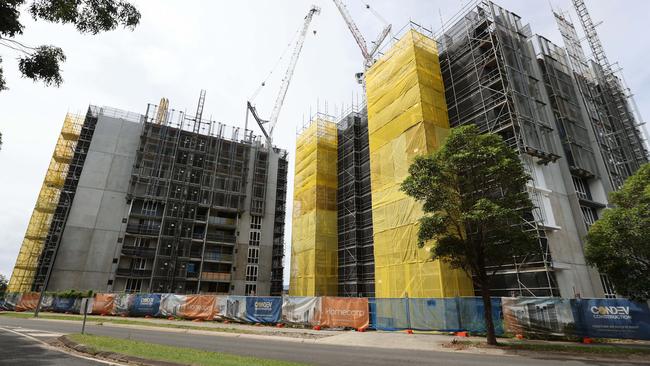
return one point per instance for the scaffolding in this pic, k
(607, 99)
(407, 117)
(50, 198)
(491, 80)
(354, 204)
(565, 103)
(314, 236)
(187, 191)
(277, 265)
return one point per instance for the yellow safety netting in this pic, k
(24, 271)
(314, 241)
(407, 116)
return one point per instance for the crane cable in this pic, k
(277, 63)
(376, 14)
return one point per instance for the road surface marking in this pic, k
(33, 334)
(46, 345)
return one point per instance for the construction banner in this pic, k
(344, 312)
(197, 307)
(10, 301)
(66, 305)
(263, 309)
(236, 308)
(145, 305)
(538, 316)
(611, 318)
(220, 307)
(170, 305)
(47, 304)
(301, 310)
(28, 301)
(103, 304)
(122, 302)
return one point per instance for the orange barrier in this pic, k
(344, 312)
(198, 307)
(103, 304)
(28, 301)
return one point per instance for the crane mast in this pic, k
(268, 133)
(358, 37)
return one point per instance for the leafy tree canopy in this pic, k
(618, 244)
(42, 63)
(3, 284)
(473, 191)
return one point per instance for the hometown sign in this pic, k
(612, 318)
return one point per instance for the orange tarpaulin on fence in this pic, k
(198, 307)
(103, 304)
(344, 312)
(28, 301)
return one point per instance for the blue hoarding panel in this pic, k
(471, 314)
(611, 318)
(263, 309)
(433, 314)
(390, 314)
(145, 304)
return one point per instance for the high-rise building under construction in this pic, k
(160, 202)
(571, 121)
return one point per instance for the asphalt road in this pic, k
(317, 354)
(24, 349)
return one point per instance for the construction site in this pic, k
(572, 121)
(171, 202)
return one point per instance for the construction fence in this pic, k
(530, 317)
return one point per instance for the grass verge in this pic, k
(103, 319)
(590, 349)
(152, 351)
(594, 349)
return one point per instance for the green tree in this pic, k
(3, 284)
(473, 191)
(618, 244)
(43, 63)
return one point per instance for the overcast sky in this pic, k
(228, 48)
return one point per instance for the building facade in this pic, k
(162, 202)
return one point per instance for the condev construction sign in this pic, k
(344, 312)
(613, 318)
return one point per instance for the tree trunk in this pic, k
(487, 307)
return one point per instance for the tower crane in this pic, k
(368, 54)
(273, 120)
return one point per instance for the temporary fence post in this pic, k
(458, 315)
(408, 311)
